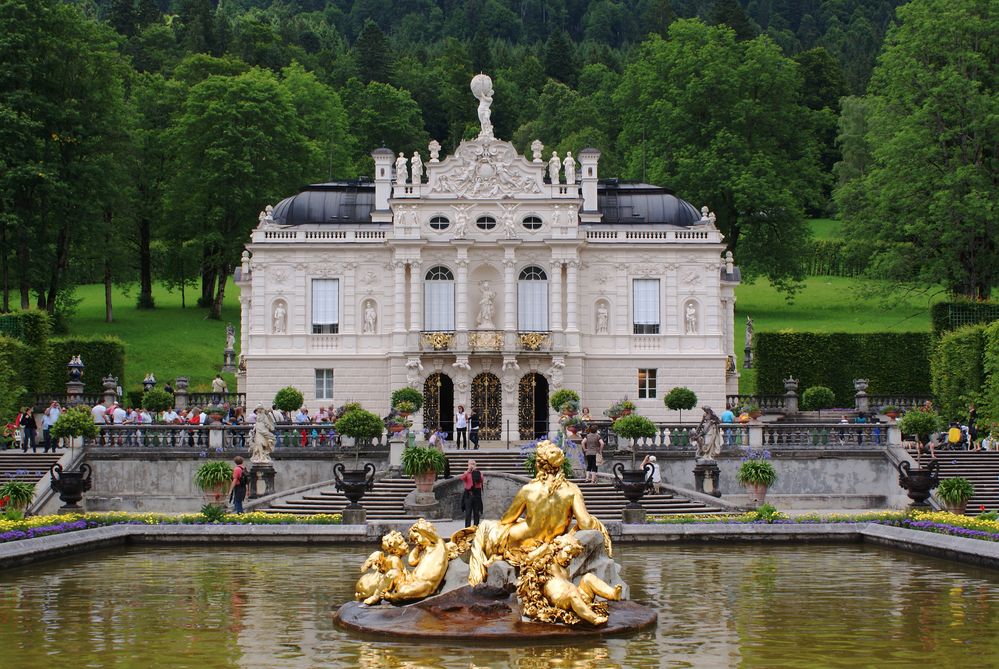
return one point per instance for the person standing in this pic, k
(654, 478)
(728, 416)
(460, 428)
(593, 446)
(237, 486)
(26, 422)
(473, 429)
(471, 499)
(48, 420)
(219, 389)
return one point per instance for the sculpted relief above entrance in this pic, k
(485, 168)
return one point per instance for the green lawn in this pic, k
(168, 341)
(826, 228)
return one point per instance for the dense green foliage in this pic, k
(75, 422)
(952, 315)
(634, 427)
(421, 459)
(956, 490)
(288, 399)
(817, 398)
(360, 424)
(157, 399)
(957, 370)
(990, 363)
(101, 356)
(24, 337)
(16, 375)
(563, 396)
(920, 424)
(921, 205)
(893, 362)
(407, 394)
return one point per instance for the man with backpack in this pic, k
(238, 485)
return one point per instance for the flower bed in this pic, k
(40, 526)
(939, 522)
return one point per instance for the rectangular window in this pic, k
(439, 308)
(325, 306)
(532, 306)
(645, 294)
(646, 384)
(324, 384)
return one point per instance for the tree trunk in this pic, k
(108, 314)
(220, 293)
(23, 260)
(61, 263)
(3, 266)
(145, 267)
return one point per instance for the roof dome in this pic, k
(335, 202)
(622, 202)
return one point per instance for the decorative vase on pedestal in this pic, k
(70, 484)
(919, 482)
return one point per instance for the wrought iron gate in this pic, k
(487, 399)
(532, 406)
(438, 394)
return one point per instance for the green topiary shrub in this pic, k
(361, 425)
(818, 398)
(957, 369)
(289, 398)
(157, 400)
(920, 424)
(407, 394)
(562, 397)
(634, 427)
(75, 422)
(680, 399)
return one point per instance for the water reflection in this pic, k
(748, 606)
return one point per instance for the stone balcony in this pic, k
(488, 341)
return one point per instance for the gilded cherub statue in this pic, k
(383, 568)
(548, 594)
(549, 503)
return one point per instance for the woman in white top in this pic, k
(460, 428)
(653, 478)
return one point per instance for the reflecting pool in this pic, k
(719, 606)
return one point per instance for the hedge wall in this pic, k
(32, 329)
(829, 257)
(957, 370)
(16, 370)
(989, 411)
(893, 362)
(947, 316)
(100, 355)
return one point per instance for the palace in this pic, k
(487, 279)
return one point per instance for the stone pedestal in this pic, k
(396, 447)
(180, 393)
(747, 358)
(633, 516)
(215, 440)
(356, 516)
(74, 392)
(706, 478)
(261, 472)
(423, 504)
(229, 361)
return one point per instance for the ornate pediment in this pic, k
(485, 168)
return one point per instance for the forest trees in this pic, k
(721, 121)
(924, 208)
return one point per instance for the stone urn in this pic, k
(70, 484)
(919, 482)
(354, 483)
(632, 482)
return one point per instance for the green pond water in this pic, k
(719, 606)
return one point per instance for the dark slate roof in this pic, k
(353, 201)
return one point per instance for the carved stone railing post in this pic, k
(790, 396)
(861, 401)
(180, 393)
(110, 393)
(74, 387)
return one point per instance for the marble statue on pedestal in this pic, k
(401, 172)
(570, 168)
(482, 89)
(554, 164)
(487, 305)
(416, 164)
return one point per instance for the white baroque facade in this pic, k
(487, 279)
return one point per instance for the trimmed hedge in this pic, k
(101, 356)
(989, 411)
(32, 329)
(957, 368)
(893, 362)
(947, 316)
(16, 366)
(830, 257)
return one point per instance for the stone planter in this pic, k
(633, 483)
(214, 494)
(959, 508)
(425, 481)
(70, 484)
(757, 492)
(919, 482)
(353, 483)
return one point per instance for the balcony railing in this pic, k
(436, 341)
(902, 402)
(534, 341)
(485, 340)
(219, 437)
(205, 399)
(767, 403)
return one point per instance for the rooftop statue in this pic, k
(482, 89)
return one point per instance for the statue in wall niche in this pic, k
(602, 318)
(370, 318)
(482, 89)
(570, 168)
(460, 221)
(486, 307)
(262, 439)
(417, 167)
(280, 318)
(707, 436)
(401, 173)
(554, 165)
(690, 318)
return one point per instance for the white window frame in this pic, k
(325, 313)
(645, 306)
(438, 300)
(324, 384)
(532, 300)
(647, 385)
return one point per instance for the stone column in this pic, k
(461, 296)
(510, 284)
(556, 289)
(400, 296)
(415, 297)
(571, 296)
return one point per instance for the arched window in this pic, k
(438, 300)
(439, 223)
(532, 300)
(532, 222)
(485, 222)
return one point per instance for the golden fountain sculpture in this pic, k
(536, 535)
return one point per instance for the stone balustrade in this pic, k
(219, 437)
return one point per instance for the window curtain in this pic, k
(646, 301)
(532, 306)
(438, 300)
(325, 301)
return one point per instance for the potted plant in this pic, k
(423, 463)
(565, 401)
(361, 425)
(817, 398)
(752, 409)
(680, 399)
(15, 496)
(757, 474)
(214, 412)
(955, 493)
(404, 408)
(890, 411)
(396, 422)
(633, 427)
(572, 424)
(411, 396)
(919, 424)
(212, 477)
(72, 483)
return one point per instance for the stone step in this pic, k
(26, 467)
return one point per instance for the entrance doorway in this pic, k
(438, 403)
(532, 406)
(487, 399)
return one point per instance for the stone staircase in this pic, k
(981, 468)
(25, 467)
(385, 502)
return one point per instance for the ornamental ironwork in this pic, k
(487, 401)
(437, 341)
(535, 341)
(532, 406)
